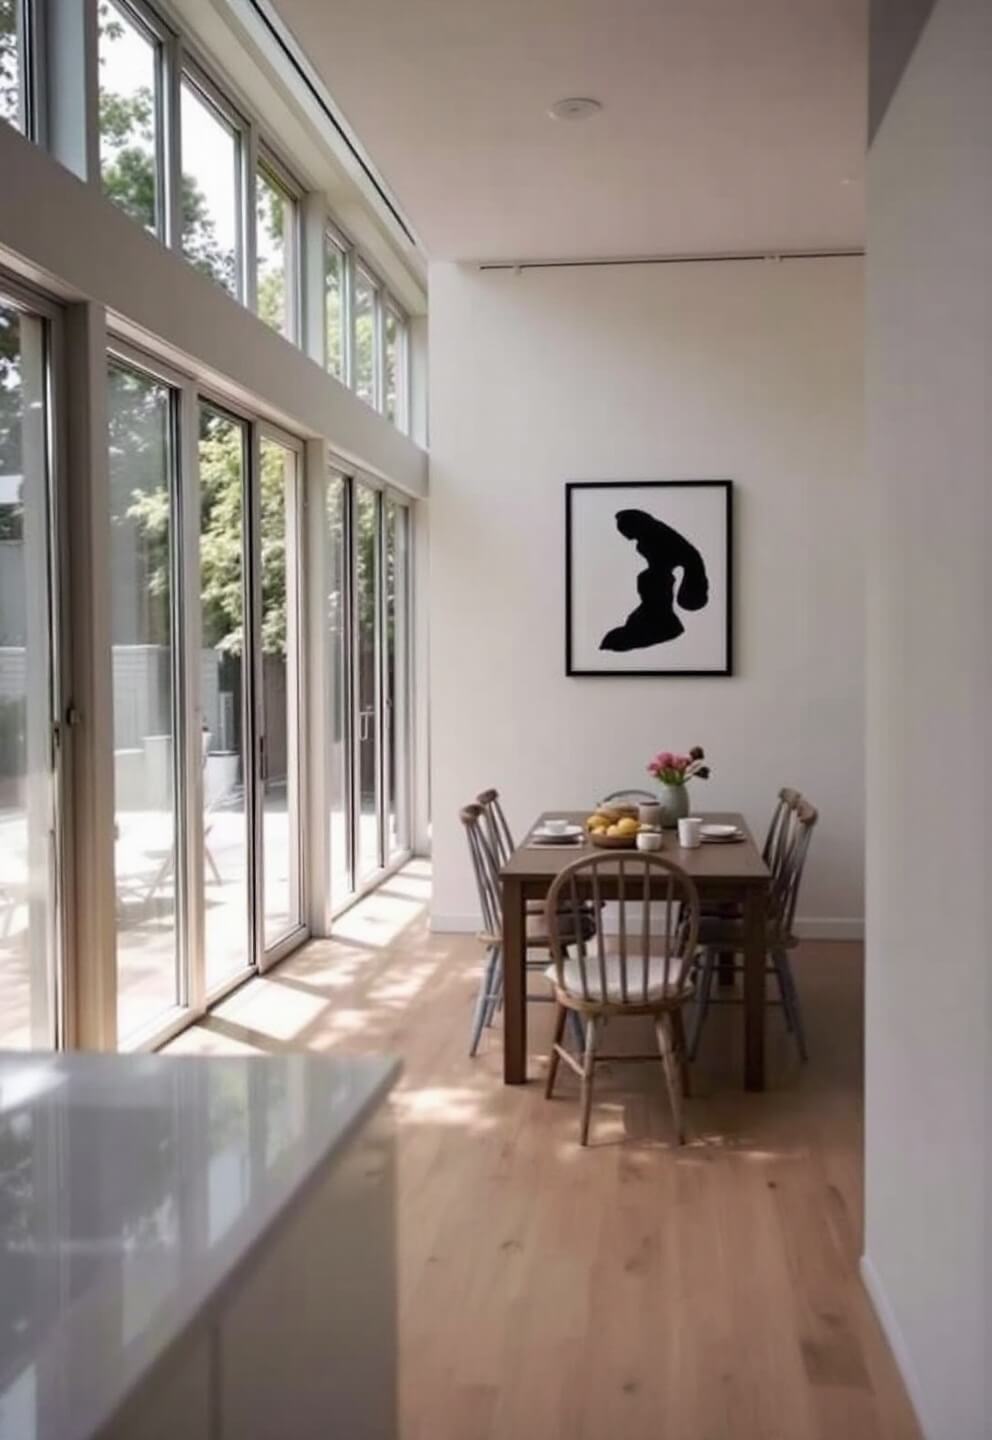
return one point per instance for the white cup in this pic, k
(649, 840)
(690, 832)
(556, 827)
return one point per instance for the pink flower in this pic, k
(665, 760)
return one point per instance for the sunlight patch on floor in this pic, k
(271, 1008)
(443, 1105)
(379, 923)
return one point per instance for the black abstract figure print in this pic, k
(668, 553)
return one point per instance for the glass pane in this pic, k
(27, 946)
(211, 190)
(364, 337)
(397, 681)
(223, 450)
(338, 651)
(393, 367)
(129, 112)
(12, 61)
(334, 312)
(366, 587)
(141, 518)
(276, 245)
(280, 710)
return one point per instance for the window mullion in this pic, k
(348, 318)
(248, 216)
(172, 164)
(379, 350)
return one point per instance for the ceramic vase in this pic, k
(674, 805)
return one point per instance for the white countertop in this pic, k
(131, 1187)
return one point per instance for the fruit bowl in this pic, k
(612, 842)
(617, 812)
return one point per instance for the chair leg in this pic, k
(783, 990)
(486, 1001)
(703, 992)
(797, 1013)
(561, 1015)
(496, 988)
(678, 1034)
(673, 1079)
(726, 964)
(587, 1072)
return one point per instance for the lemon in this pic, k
(628, 826)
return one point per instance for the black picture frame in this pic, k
(727, 669)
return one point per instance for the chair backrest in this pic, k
(498, 830)
(657, 906)
(776, 840)
(786, 878)
(630, 797)
(486, 866)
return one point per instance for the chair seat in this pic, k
(657, 989)
(537, 931)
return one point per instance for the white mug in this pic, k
(556, 827)
(649, 840)
(690, 832)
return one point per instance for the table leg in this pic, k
(755, 906)
(515, 983)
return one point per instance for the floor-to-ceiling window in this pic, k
(396, 676)
(336, 613)
(29, 809)
(368, 717)
(223, 456)
(280, 638)
(366, 615)
(143, 430)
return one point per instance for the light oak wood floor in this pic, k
(630, 1290)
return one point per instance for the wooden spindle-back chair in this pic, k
(785, 854)
(646, 971)
(486, 867)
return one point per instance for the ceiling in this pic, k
(727, 125)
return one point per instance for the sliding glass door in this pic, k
(367, 618)
(143, 430)
(368, 717)
(228, 933)
(396, 677)
(279, 688)
(30, 952)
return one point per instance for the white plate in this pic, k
(570, 834)
(719, 832)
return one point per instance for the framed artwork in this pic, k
(648, 577)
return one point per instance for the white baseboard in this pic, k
(839, 928)
(833, 927)
(897, 1343)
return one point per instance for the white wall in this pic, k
(929, 1028)
(749, 371)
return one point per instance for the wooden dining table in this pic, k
(722, 872)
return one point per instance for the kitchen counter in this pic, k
(143, 1203)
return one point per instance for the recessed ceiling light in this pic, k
(575, 107)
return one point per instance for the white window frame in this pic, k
(332, 235)
(402, 417)
(361, 266)
(190, 70)
(147, 21)
(267, 161)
